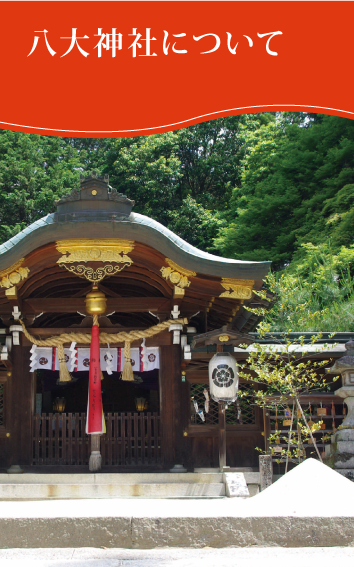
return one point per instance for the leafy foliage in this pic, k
(34, 172)
(147, 169)
(315, 293)
(195, 224)
(297, 187)
(211, 156)
(183, 179)
(283, 370)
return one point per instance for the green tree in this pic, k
(196, 225)
(296, 187)
(324, 283)
(281, 372)
(211, 155)
(34, 172)
(186, 174)
(147, 170)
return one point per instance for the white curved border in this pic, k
(174, 123)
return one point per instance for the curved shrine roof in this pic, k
(99, 212)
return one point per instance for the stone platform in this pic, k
(311, 506)
(146, 524)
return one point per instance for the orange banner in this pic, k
(111, 69)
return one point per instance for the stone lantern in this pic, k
(340, 454)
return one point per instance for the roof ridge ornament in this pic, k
(94, 198)
(94, 175)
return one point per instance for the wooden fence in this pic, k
(132, 439)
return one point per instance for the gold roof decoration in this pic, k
(237, 288)
(87, 250)
(14, 274)
(113, 253)
(177, 275)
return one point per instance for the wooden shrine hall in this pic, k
(148, 276)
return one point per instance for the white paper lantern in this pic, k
(223, 378)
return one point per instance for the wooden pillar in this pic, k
(21, 404)
(171, 404)
(222, 436)
(5, 439)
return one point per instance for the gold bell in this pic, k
(96, 302)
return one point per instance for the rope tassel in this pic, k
(64, 374)
(127, 373)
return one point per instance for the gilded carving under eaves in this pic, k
(176, 274)
(14, 274)
(237, 288)
(95, 250)
(113, 254)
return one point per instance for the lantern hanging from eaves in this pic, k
(223, 378)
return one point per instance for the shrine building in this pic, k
(149, 276)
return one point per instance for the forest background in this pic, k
(267, 186)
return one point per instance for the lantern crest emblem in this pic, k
(223, 378)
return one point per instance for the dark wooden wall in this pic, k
(201, 448)
(171, 404)
(5, 380)
(16, 449)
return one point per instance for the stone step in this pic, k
(31, 486)
(26, 491)
(111, 478)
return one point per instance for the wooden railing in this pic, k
(132, 439)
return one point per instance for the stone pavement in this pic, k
(178, 557)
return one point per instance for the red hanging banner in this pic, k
(95, 421)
